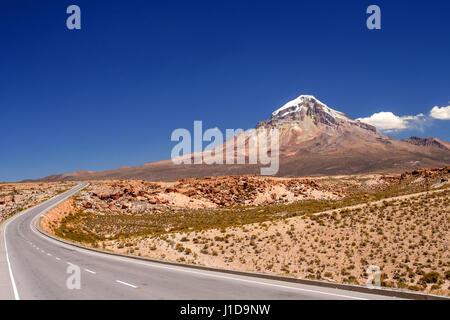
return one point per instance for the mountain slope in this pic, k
(314, 139)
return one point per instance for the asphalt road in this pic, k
(34, 266)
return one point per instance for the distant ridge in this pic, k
(428, 142)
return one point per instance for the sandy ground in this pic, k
(52, 218)
(405, 240)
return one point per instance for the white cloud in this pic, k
(389, 122)
(442, 113)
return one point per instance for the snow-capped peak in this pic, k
(297, 103)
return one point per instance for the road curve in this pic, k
(34, 266)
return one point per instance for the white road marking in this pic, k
(13, 282)
(90, 271)
(49, 254)
(127, 284)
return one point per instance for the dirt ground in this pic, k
(241, 223)
(408, 239)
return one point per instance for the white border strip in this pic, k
(13, 282)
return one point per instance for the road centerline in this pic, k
(90, 271)
(127, 284)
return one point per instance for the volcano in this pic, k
(314, 139)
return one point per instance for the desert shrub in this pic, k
(351, 280)
(431, 277)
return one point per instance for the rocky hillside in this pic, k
(209, 192)
(16, 197)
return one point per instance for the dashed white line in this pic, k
(49, 254)
(90, 271)
(243, 280)
(57, 258)
(127, 284)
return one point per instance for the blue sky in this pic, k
(110, 94)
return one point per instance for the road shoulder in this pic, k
(6, 290)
